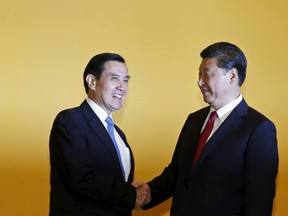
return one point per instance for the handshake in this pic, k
(143, 194)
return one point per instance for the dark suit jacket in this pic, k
(235, 174)
(86, 177)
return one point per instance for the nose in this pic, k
(200, 82)
(121, 85)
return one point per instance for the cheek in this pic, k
(221, 83)
(126, 89)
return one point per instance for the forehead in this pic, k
(208, 64)
(115, 67)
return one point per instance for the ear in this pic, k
(91, 81)
(233, 75)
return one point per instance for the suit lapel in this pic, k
(190, 135)
(100, 131)
(231, 123)
(122, 135)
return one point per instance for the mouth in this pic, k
(204, 91)
(118, 96)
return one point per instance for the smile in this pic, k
(204, 91)
(118, 96)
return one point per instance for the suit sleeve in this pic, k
(261, 170)
(71, 166)
(163, 186)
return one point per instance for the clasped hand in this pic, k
(143, 194)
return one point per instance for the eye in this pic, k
(203, 74)
(208, 73)
(114, 77)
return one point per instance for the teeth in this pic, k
(118, 96)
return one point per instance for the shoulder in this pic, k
(199, 114)
(196, 119)
(250, 115)
(69, 113)
(258, 118)
(71, 116)
(252, 118)
(256, 115)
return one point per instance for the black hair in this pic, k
(228, 56)
(96, 65)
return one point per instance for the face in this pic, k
(110, 90)
(216, 84)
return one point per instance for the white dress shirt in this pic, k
(222, 113)
(124, 150)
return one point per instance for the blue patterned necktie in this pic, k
(111, 133)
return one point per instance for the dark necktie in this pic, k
(111, 133)
(204, 135)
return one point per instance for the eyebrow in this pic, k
(116, 74)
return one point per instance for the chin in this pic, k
(117, 108)
(206, 100)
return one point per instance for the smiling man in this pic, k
(92, 165)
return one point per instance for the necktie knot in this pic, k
(109, 121)
(212, 117)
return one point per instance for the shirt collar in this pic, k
(224, 111)
(102, 115)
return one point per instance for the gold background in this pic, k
(45, 46)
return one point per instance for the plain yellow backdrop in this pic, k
(45, 46)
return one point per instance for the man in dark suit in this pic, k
(91, 170)
(236, 170)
